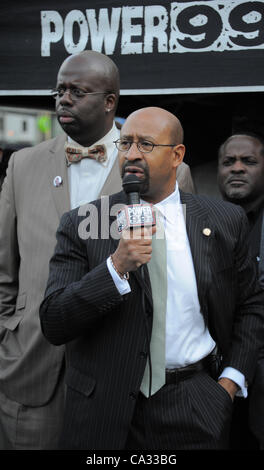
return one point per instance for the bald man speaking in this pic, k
(161, 323)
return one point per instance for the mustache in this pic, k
(236, 178)
(134, 167)
(64, 112)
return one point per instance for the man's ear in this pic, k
(110, 102)
(179, 152)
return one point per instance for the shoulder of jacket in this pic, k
(218, 207)
(25, 155)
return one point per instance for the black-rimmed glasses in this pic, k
(75, 93)
(143, 146)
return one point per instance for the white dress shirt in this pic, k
(87, 177)
(187, 338)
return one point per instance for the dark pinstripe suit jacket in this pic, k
(105, 332)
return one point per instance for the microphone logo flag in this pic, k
(136, 215)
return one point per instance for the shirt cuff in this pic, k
(238, 378)
(122, 285)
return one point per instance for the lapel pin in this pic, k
(57, 181)
(207, 232)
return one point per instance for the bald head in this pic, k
(161, 120)
(99, 64)
(86, 106)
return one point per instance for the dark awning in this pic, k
(160, 47)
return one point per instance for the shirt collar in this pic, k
(167, 205)
(107, 140)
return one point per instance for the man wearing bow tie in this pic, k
(141, 363)
(42, 183)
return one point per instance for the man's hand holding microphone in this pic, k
(137, 225)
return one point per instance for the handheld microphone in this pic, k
(134, 214)
(131, 185)
(137, 215)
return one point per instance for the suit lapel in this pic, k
(201, 244)
(57, 167)
(113, 182)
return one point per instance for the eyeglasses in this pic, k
(143, 146)
(75, 93)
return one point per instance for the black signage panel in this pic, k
(159, 46)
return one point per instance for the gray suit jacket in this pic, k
(30, 211)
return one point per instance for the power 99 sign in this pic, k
(217, 26)
(159, 46)
(175, 27)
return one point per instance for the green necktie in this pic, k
(157, 268)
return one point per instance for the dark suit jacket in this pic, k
(256, 403)
(105, 332)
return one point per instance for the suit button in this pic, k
(133, 395)
(143, 354)
(148, 312)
